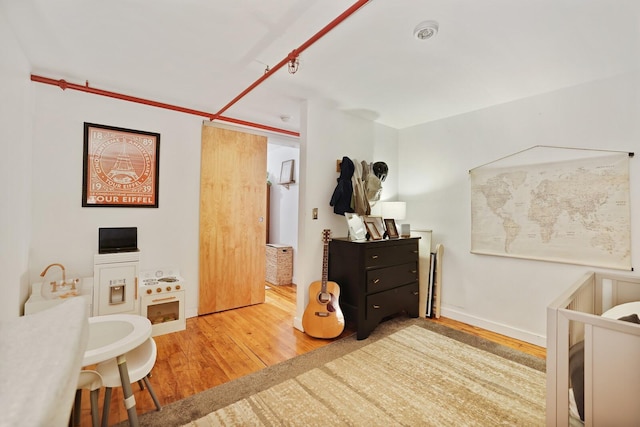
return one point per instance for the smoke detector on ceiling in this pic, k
(425, 30)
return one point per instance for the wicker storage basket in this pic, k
(279, 264)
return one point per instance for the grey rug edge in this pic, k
(191, 408)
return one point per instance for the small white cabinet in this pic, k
(115, 283)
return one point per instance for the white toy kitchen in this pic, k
(117, 286)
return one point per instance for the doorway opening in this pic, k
(282, 227)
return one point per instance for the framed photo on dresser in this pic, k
(376, 224)
(392, 230)
(375, 232)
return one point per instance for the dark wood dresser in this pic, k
(377, 278)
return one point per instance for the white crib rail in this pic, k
(575, 316)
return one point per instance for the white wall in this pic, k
(327, 135)
(283, 216)
(15, 173)
(42, 220)
(385, 149)
(503, 294)
(65, 232)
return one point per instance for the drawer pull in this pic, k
(374, 256)
(415, 252)
(376, 306)
(375, 281)
(415, 292)
(413, 271)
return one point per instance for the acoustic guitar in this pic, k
(323, 318)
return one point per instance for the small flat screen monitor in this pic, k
(117, 239)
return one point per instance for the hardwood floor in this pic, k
(220, 347)
(522, 346)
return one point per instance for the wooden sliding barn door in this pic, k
(232, 219)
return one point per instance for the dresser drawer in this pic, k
(389, 302)
(390, 255)
(381, 279)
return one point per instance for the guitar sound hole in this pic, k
(324, 297)
(327, 299)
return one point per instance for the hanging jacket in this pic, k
(374, 188)
(359, 202)
(341, 198)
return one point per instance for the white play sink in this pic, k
(113, 335)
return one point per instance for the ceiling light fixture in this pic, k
(425, 30)
(293, 65)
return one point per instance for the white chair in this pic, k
(140, 361)
(92, 381)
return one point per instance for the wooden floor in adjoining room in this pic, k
(220, 347)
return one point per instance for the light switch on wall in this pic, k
(314, 213)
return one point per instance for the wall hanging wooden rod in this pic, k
(630, 153)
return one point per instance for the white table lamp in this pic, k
(395, 210)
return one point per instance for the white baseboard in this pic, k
(499, 328)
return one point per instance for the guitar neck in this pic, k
(325, 266)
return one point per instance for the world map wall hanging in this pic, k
(574, 211)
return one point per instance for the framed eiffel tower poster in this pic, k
(120, 167)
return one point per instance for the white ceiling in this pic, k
(200, 54)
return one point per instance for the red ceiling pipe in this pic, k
(294, 54)
(217, 116)
(86, 88)
(66, 85)
(258, 126)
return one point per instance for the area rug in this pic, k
(409, 372)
